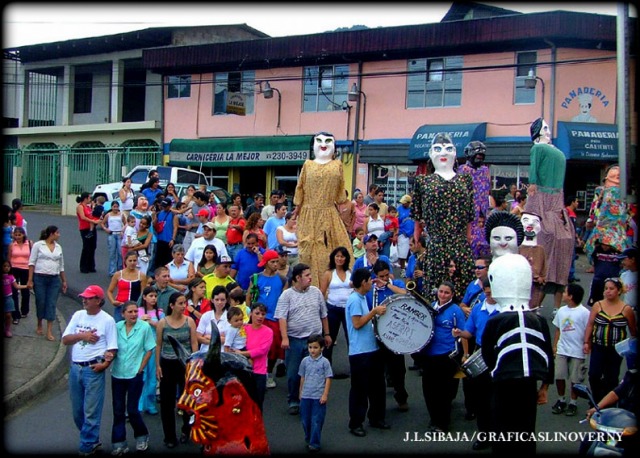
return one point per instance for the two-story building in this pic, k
(84, 111)
(244, 111)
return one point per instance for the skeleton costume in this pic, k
(516, 347)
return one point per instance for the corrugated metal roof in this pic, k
(526, 31)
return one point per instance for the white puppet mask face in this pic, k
(531, 225)
(443, 156)
(503, 240)
(545, 133)
(324, 147)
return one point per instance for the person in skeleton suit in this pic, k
(475, 153)
(517, 349)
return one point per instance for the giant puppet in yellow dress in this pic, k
(320, 188)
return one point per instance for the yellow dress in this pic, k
(320, 229)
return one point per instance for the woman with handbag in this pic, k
(86, 224)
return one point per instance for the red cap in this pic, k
(203, 212)
(92, 291)
(268, 256)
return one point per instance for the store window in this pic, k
(503, 176)
(239, 83)
(325, 88)
(396, 180)
(434, 82)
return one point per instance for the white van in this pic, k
(140, 174)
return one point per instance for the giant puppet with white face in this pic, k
(442, 206)
(535, 255)
(320, 187)
(545, 197)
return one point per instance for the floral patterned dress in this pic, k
(611, 222)
(481, 178)
(320, 228)
(445, 207)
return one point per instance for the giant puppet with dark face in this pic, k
(535, 255)
(319, 189)
(475, 153)
(443, 207)
(545, 197)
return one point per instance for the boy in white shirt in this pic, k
(571, 322)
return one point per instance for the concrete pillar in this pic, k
(68, 83)
(117, 86)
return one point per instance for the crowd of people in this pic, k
(180, 266)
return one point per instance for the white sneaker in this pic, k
(271, 383)
(120, 451)
(142, 444)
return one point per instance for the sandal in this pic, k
(51, 338)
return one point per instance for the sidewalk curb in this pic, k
(53, 372)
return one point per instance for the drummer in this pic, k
(383, 288)
(478, 391)
(439, 385)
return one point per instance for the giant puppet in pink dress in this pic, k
(546, 199)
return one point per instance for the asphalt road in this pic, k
(47, 426)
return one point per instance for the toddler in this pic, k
(129, 235)
(236, 336)
(358, 244)
(8, 280)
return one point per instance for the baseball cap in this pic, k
(210, 225)
(92, 291)
(369, 237)
(406, 198)
(629, 253)
(203, 212)
(281, 251)
(268, 256)
(166, 203)
(224, 260)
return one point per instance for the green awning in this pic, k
(240, 151)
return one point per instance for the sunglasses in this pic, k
(479, 267)
(615, 280)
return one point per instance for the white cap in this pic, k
(510, 277)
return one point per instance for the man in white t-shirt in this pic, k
(570, 322)
(92, 332)
(194, 254)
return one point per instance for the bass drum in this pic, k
(407, 325)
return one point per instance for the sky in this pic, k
(26, 23)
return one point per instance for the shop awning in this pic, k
(588, 140)
(240, 151)
(461, 135)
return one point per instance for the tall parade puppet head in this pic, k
(504, 232)
(510, 277)
(531, 224)
(220, 397)
(323, 147)
(475, 153)
(443, 155)
(540, 131)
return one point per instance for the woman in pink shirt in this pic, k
(18, 255)
(259, 338)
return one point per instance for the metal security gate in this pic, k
(41, 177)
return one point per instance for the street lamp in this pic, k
(531, 81)
(354, 96)
(267, 93)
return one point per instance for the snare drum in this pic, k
(407, 325)
(474, 365)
